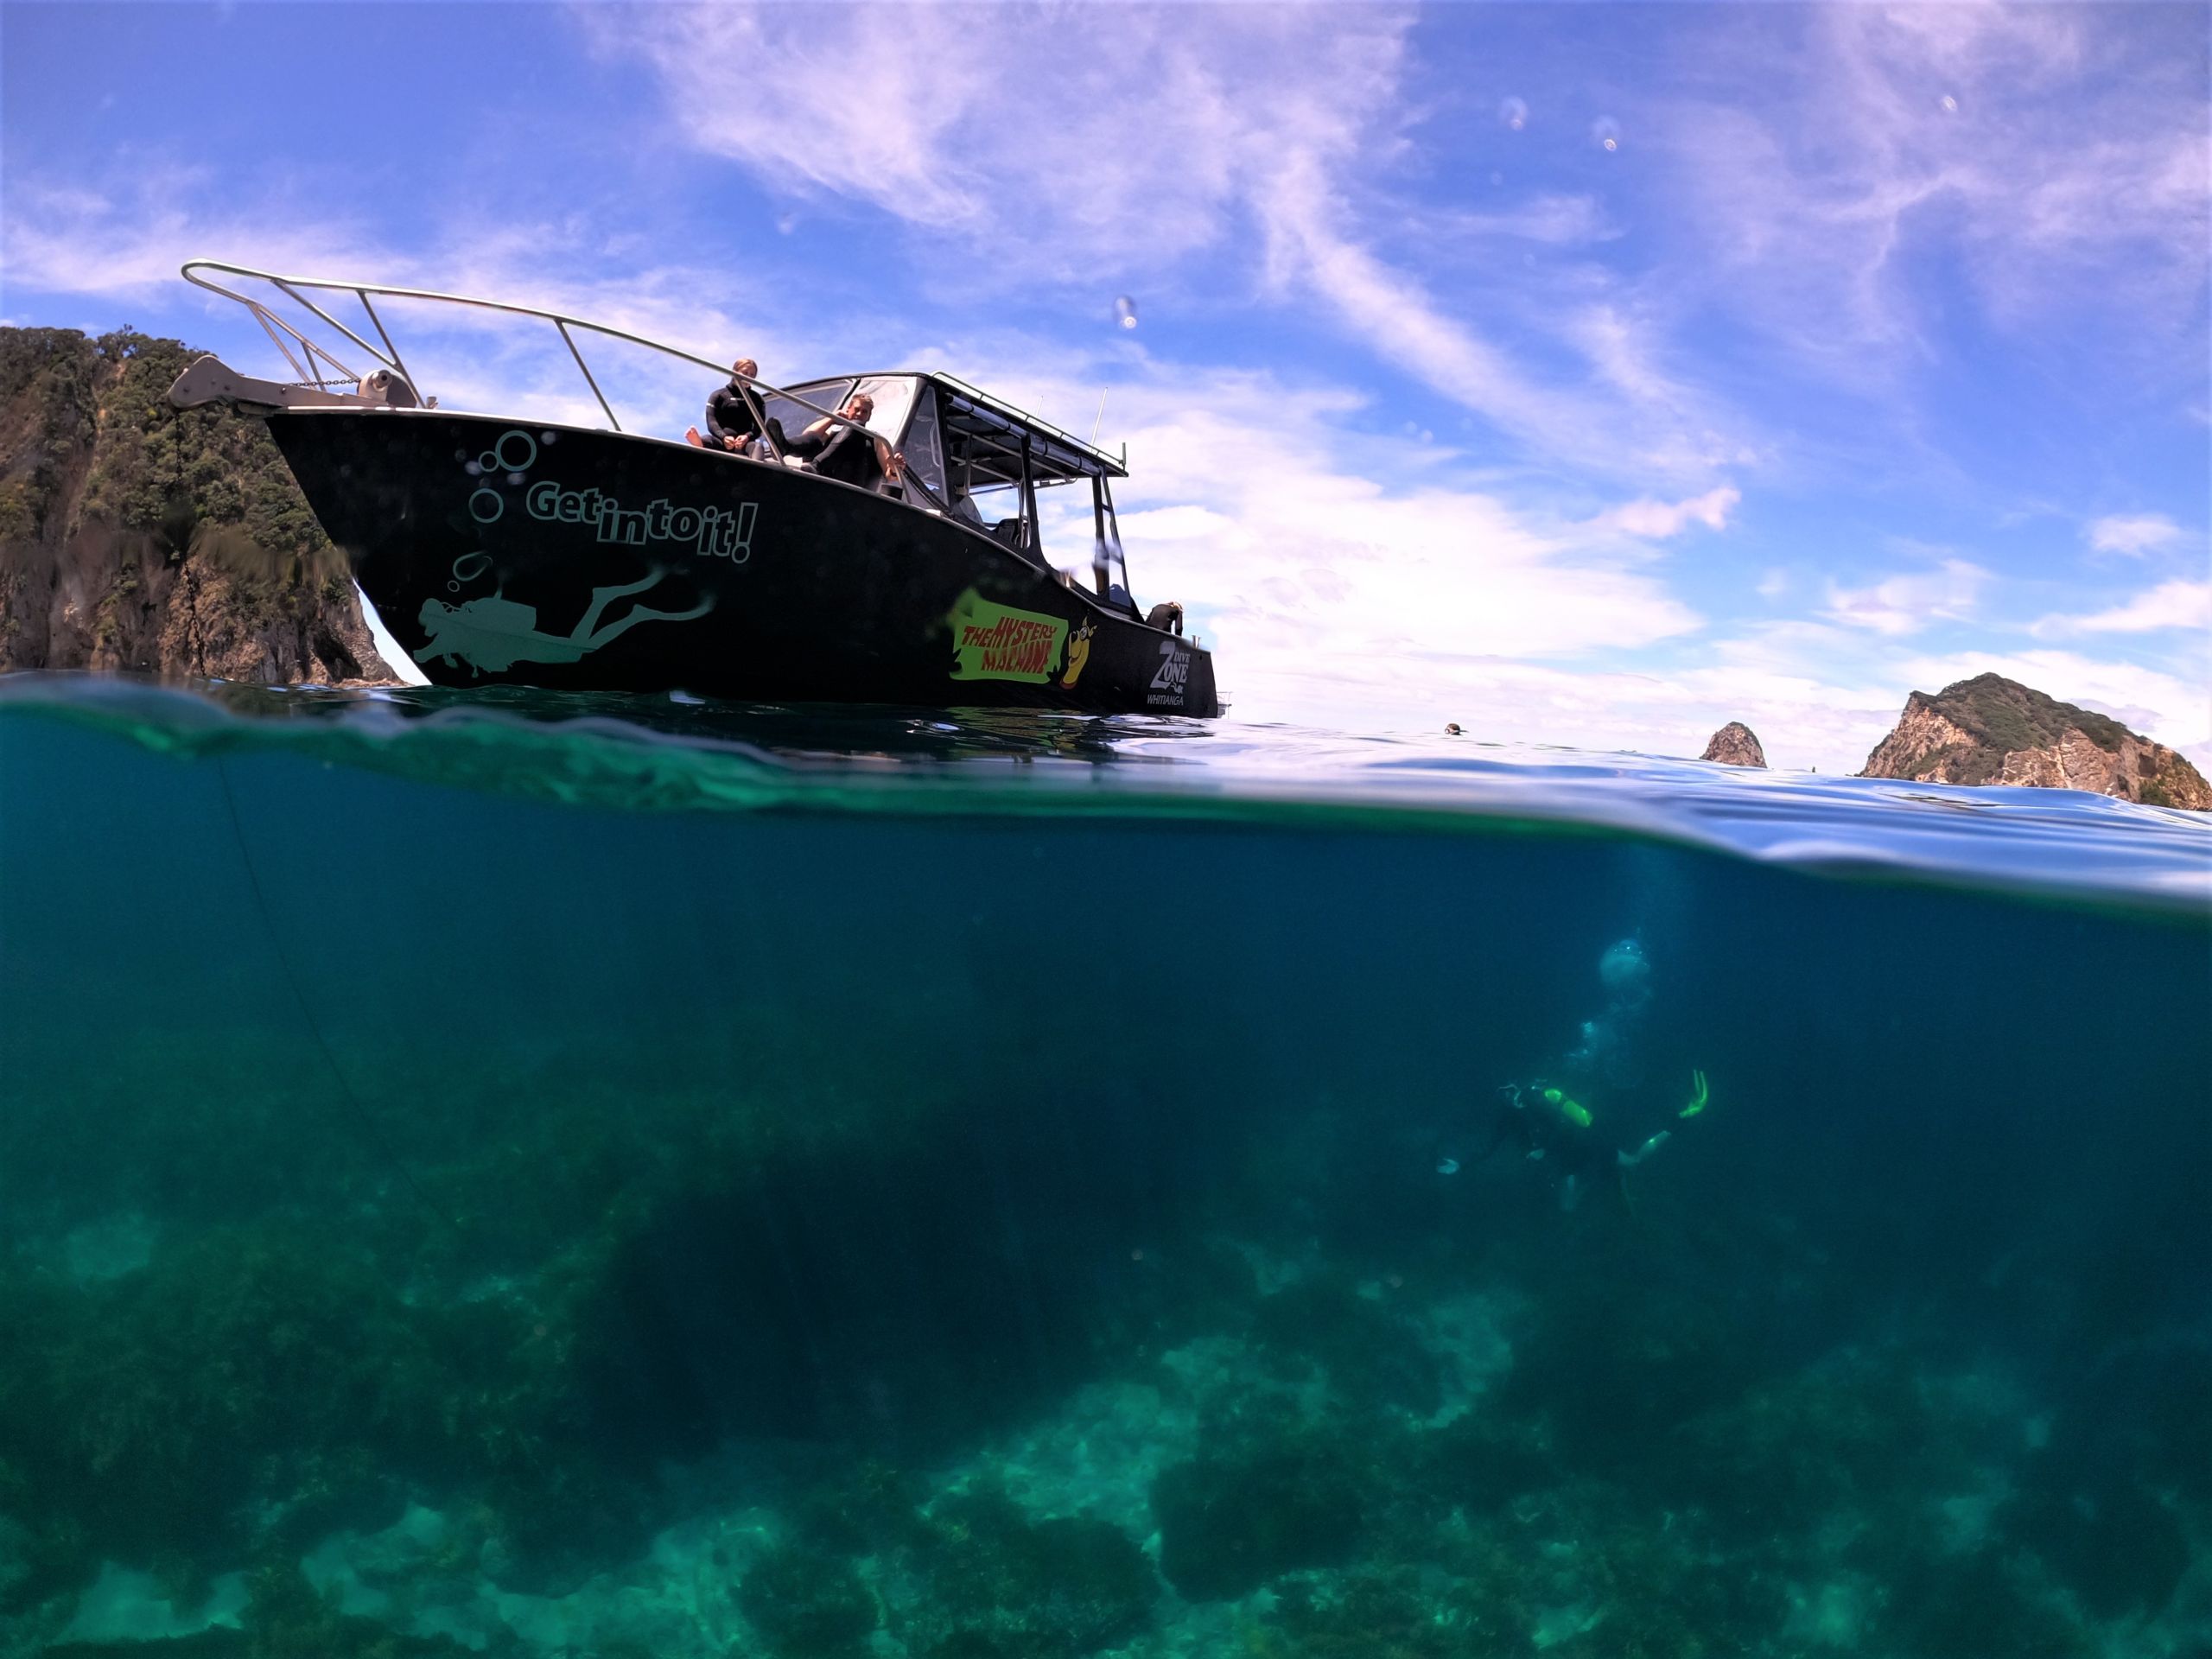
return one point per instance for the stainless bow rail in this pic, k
(311, 356)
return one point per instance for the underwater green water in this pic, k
(815, 1185)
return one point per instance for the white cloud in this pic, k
(2169, 604)
(1553, 219)
(1046, 132)
(1174, 523)
(1663, 518)
(1905, 604)
(2072, 176)
(1317, 562)
(126, 242)
(1251, 132)
(2141, 532)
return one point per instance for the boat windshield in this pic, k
(795, 417)
(923, 447)
(893, 395)
(894, 399)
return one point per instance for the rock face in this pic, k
(1735, 745)
(138, 535)
(1992, 730)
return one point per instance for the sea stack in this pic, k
(1992, 730)
(1735, 745)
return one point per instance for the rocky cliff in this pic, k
(1992, 730)
(134, 535)
(1735, 745)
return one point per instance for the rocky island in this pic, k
(1992, 730)
(1735, 745)
(134, 535)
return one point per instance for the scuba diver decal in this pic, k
(491, 635)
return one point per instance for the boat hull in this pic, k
(497, 552)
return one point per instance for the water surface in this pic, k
(536, 1176)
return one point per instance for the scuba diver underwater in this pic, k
(1552, 1128)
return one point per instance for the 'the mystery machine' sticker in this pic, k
(994, 642)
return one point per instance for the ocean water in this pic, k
(529, 1176)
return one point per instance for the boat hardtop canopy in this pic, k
(987, 432)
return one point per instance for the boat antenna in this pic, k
(1102, 415)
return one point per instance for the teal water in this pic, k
(534, 1177)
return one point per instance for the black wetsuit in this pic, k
(1574, 1153)
(729, 416)
(844, 453)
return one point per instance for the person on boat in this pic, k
(840, 446)
(733, 411)
(1553, 1128)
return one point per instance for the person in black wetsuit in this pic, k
(842, 448)
(1552, 1127)
(733, 409)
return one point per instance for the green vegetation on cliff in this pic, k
(1992, 730)
(136, 534)
(2007, 715)
(163, 469)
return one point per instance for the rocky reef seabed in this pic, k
(532, 1230)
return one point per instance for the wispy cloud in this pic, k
(1148, 136)
(1552, 220)
(1659, 519)
(2058, 153)
(2169, 604)
(1909, 602)
(2133, 533)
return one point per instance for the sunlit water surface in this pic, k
(538, 1176)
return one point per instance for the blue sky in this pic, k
(1583, 374)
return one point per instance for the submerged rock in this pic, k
(2117, 1546)
(1735, 745)
(988, 1583)
(1992, 730)
(1980, 1603)
(805, 1604)
(1228, 1525)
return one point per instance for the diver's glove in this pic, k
(1697, 1100)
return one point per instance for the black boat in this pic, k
(501, 549)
